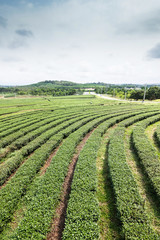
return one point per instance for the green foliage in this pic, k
(46, 190)
(157, 134)
(153, 93)
(42, 89)
(138, 117)
(12, 192)
(147, 154)
(80, 207)
(60, 167)
(9, 194)
(12, 163)
(68, 118)
(19, 135)
(83, 210)
(135, 222)
(21, 125)
(137, 94)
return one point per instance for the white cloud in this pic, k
(154, 52)
(80, 40)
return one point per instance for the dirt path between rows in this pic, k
(49, 160)
(59, 220)
(12, 175)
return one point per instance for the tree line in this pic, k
(38, 91)
(151, 93)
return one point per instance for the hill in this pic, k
(63, 84)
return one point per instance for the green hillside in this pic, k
(63, 84)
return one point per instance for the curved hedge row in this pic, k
(40, 195)
(11, 164)
(157, 134)
(54, 180)
(24, 131)
(82, 211)
(47, 188)
(147, 154)
(135, 223)
(12, 192)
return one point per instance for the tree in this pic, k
(153, 93)
(137, 94)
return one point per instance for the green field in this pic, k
(79, 167)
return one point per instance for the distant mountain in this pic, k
(62, 84)
(68, 84)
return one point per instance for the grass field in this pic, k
(79, 167)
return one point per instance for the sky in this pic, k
(110, 41)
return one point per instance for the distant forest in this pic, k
(64, 88)
(150, 93)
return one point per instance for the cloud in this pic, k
(145, 22)
(3, 22)
(153, 23)
(17, 44)
(30, 5)
(154, 52)
(11, 59)
(24, 33)
(78, 40)
(150, 25)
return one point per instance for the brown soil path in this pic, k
(20, 212)
(42, 170)
(12, 175)
(48, 162)
(59, 220)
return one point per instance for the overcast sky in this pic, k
(111, 41)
